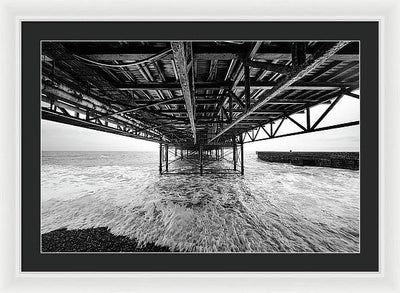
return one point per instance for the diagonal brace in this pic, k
(316, 60)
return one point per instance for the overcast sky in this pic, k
(63, 137)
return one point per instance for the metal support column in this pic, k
(247, 86)
(166, 158)
(234, 153)
(234, 157)
(230, 109)
(241, 156)
(160, 167)
(201, 160)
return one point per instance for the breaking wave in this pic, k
(273, 208)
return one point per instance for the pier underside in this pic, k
(201, 101)
(202, 160)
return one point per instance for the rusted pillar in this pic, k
(201, 160)
(247, 86)
(298, 53)
(241, 157)
(166, 158)
(234, 157)
(160, 155)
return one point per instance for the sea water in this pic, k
(274, 207)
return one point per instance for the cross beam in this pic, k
(187, 85)
(157, 103)
(279, 54)
(255, 46)
(53, 115)
(316, 60)
(340, 125)
(269, 66)
(212, 85)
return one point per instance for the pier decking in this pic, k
(196, 97)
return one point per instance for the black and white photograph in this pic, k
(194, 146)
(212, 146)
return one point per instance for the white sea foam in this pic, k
(273, 208)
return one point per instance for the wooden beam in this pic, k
(269, 66)
(318, 58)
(344, 70)
(322, 71)
(181, 62)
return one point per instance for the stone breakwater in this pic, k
(342, 160)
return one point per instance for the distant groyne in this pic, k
(342, 160)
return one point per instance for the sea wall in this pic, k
(342, 160)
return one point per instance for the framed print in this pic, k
(197, 104)
(235, 152)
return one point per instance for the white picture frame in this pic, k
(387, 12)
